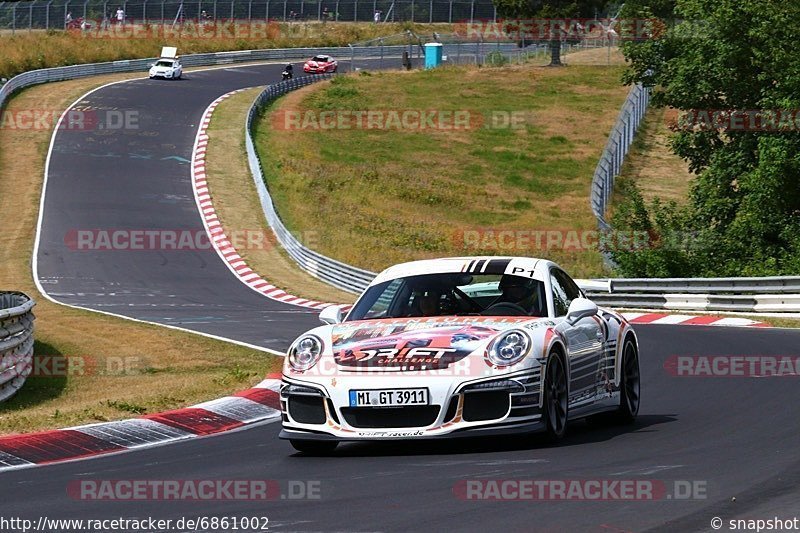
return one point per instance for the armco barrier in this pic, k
(775, 294)
(747, 295)
(336, 273)
(71, 72)
(16, 341)
(619, 142)
(35, 77)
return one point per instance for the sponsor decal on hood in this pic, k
(414, 344)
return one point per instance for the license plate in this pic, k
(388, 397)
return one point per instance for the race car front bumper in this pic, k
(495, 405)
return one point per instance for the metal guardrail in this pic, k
(35, 77)
(16, 341)
(619, 142)
(340, 275)
(336, 273)
(746, 295)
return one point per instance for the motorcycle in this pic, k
(286, 74)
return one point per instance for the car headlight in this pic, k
(305, 352)
(509, 348)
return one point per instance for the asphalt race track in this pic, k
(732, 437)
(740, 437)
(138, 178)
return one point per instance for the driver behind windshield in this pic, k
(425, 303)
(519, 291)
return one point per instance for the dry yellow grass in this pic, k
(27, 51)
(652, 165)
(385, 196)
(170, 369)
(237, 205)
(596, 56)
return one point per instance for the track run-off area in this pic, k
(735, 440)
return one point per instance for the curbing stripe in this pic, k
(215, 230)
(52, 446)
(197, 421)
(247, 407)
(691, 320)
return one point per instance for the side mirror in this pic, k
(331, 315)
(580, 308)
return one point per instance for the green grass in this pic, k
(381, 196)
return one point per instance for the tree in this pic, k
(522, 10)
(728, 59)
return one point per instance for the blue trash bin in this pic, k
(433, 55)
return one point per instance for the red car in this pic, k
(320, 64)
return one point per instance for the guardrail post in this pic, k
(430, 15)
(352, 58)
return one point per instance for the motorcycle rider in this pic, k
(288, 71)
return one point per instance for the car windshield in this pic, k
(163, 63)
(320, 58)
(452, 294)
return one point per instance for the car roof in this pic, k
(528, 267)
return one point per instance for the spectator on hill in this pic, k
(120, 15)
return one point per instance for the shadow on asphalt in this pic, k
(579, 433)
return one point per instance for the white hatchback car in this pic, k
(168, 65)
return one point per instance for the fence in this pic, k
(55, 14)
(619, 142)
(16, 341)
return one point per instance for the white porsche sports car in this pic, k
(454, 347)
